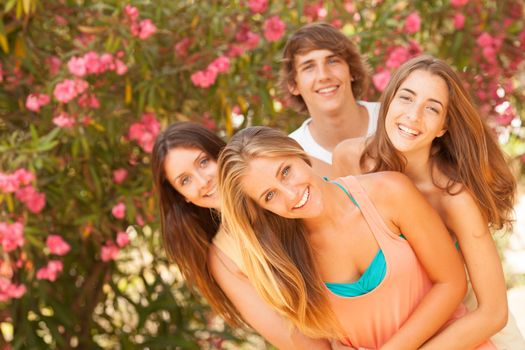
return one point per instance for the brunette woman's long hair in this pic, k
(468, 153)
(188, 230)
(277, 257)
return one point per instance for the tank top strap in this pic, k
(368, 209)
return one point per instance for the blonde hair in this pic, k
(467, 153)
(277, 256)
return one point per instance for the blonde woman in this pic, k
(363, 258)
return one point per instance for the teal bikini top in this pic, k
(372, 276)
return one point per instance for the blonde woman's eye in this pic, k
(434, 110)
(269, 196)
(285, 171)
(204, 162)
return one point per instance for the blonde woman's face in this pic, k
(286, 186)
(417, 113)
(193, 173)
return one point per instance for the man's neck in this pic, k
(330, 130)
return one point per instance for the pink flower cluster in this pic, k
(143, 29)
(273, 28)
(11, 236)
(258, 6)
(57, 245)
(458, 3)
(381, 79)
(10, 290)
(68, 89)
(206, 78)
(245, 40)
(490, 46)
(35, 101)
(34, 200)
(51, 271)
(63, 120)
(413, 23)
(110, 250)
(93, 63)
(10, 183)
(459, 21)
(145, 131)
(182, 47)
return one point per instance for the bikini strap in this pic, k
(344, 189)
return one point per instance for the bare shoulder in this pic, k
(386, 183)
(219, 263)
(346, 155)
(460, 208)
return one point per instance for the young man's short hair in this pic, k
(320, 36)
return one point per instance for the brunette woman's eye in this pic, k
(184, 180)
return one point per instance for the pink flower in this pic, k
(397, 57)
(51, 271)
(106, 62)
(109, 252)
(11, 236)
(9, 183)
(65, 91)
(34, 201)
(252, 40)
(147, 29)
(32, 103)
(413, 23)
(132, 12)
(273, 28)
(57, 245)
(121, 67)
(92, 63)
(9, 290)
(63, 120)
(145, 132)
(459, 21)
(122, 239)
(119, 210)
(381, 79)
(485, 39)
(234, 51)
(204, 78)
(35, 101)
(77, 66)
(258, 6)
(119, 175)
(181, 48)
(221, 64)
(24, 176)
(53, 63)
(140, 220)
(80, 86)
(458, 3)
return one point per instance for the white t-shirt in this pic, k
(307, 142)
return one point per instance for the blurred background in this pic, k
(86, 85)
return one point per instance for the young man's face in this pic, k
(323, 80)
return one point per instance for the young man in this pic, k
(324, 74)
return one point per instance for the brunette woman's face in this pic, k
(286, 186)
(417, 112)
(193, 173)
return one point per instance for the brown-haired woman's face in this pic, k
(417, 112)
(193, 173)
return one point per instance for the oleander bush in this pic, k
(86, 85)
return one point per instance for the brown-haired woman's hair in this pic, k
(467, 153)
(321, 36)
(188, 230)
(277, 256)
